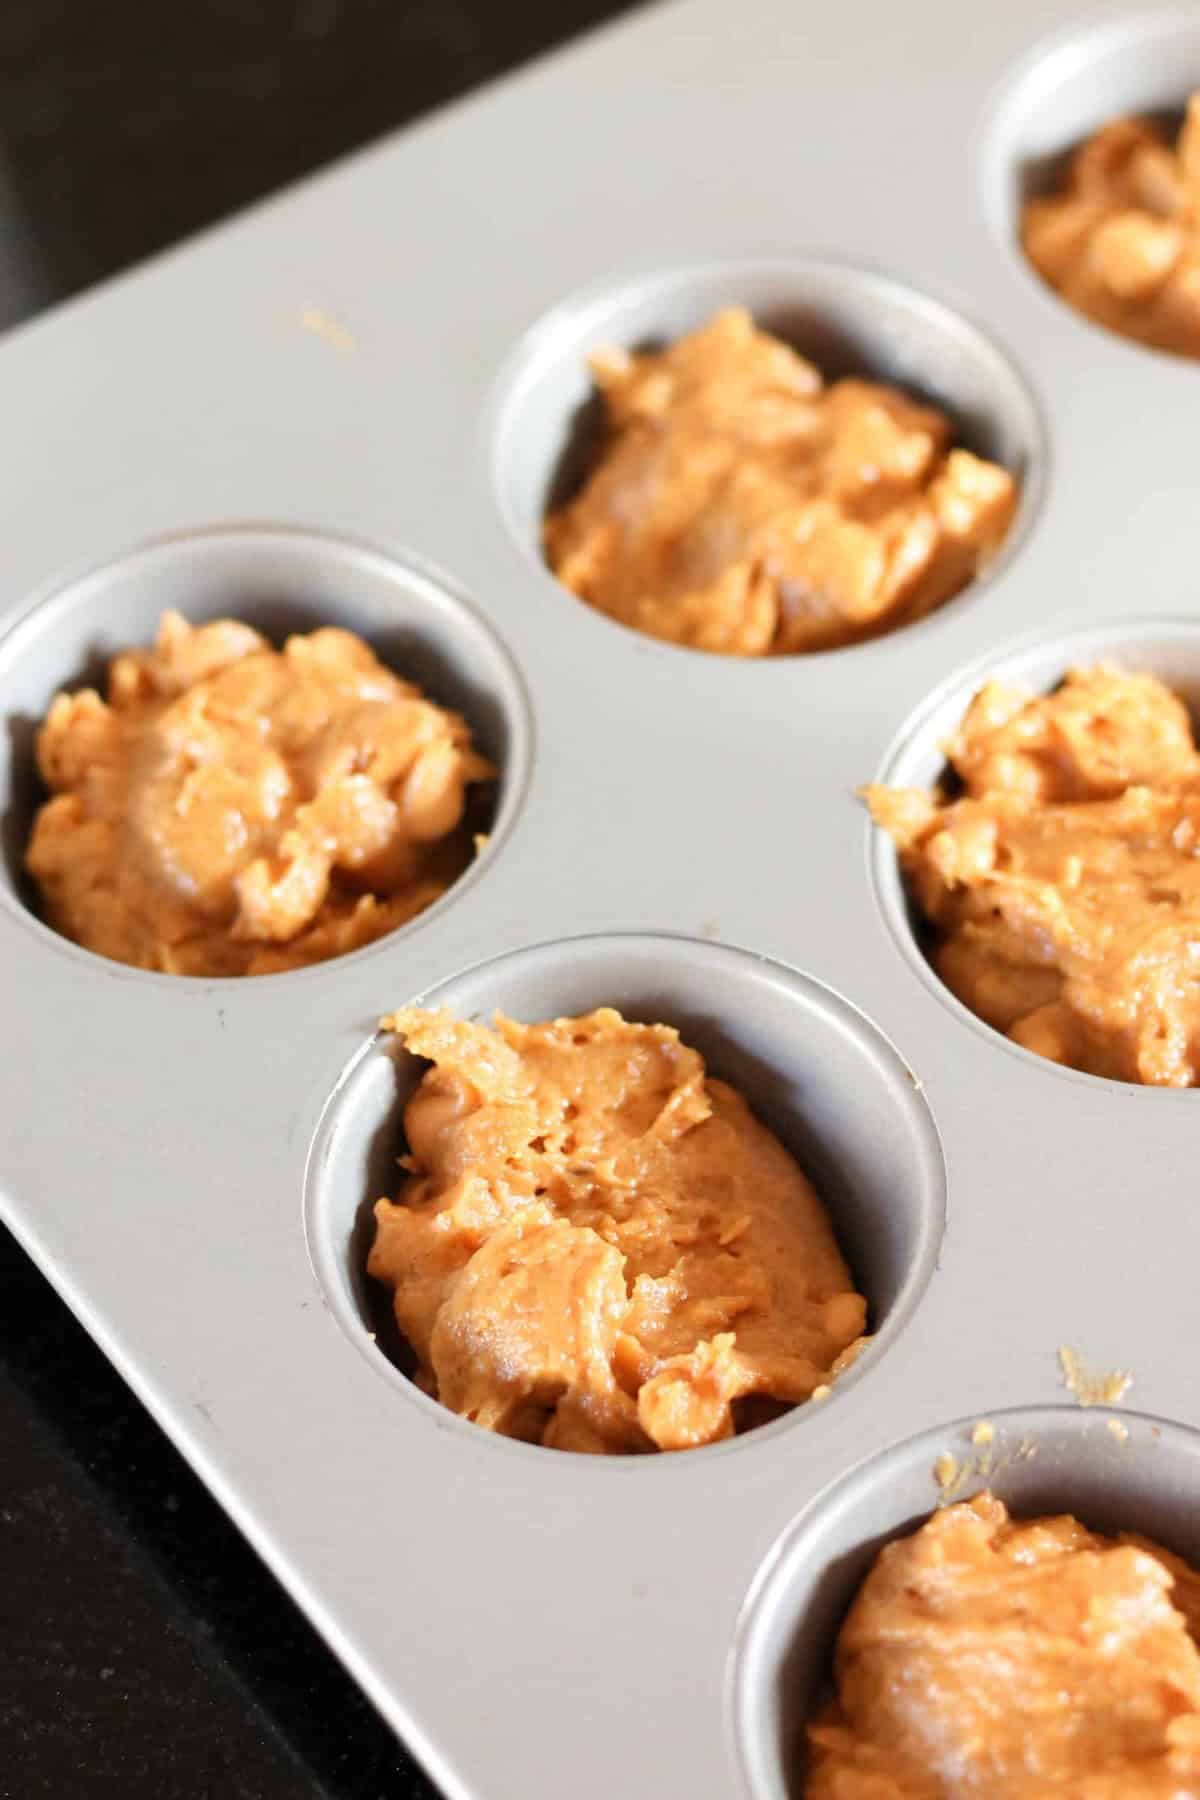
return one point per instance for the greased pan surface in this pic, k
(181, 1157)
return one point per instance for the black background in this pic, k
(145, 1652)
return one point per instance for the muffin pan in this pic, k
(675, 833)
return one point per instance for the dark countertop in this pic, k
(147, 1653)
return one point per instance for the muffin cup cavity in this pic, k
(811, 1066)
(1167, 648)
(279, 580)
(1141, 1477)
(1065, 89)
(545, 415)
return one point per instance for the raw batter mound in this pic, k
(597, 1247)
(738, 505)
(1064, 883)
(1121, 243)
(1017, 1660)
(232, 809)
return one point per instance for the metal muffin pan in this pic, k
(188, 1160)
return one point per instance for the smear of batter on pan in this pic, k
(323, 325)
(1092, 1387)
(946, 1470)
(955, 1474)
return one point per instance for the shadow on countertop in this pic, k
(147, 1650)
(127, 126)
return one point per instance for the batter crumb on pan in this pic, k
(1092, 1387)
(597, 1246)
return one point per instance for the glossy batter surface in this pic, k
(1064, 882)
(596, 1246)
(232, 809)
(1121, 242)
(739, 505)
(1020, 1660)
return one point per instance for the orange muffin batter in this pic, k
(739, 505)
(232, 809)
(596, 1246)
(1015, 1660)
(1063, 881)
(1121, 242)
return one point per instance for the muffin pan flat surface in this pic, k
(676, 833)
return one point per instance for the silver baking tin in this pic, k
(188, 1160)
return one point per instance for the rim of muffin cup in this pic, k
(1163, 646)
(278, 578)
(813, 1068)
(543, 415)
(1062, 90)
(1042, 1460)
